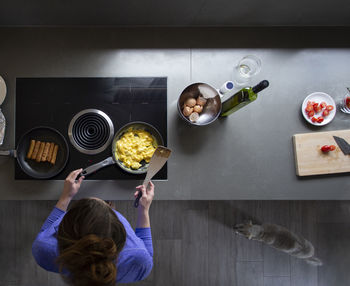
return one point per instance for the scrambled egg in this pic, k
(135, 146)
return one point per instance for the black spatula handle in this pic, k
(137, 200)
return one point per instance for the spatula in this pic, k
(159, 158)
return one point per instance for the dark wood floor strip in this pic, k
(194, 243)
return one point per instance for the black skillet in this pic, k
(42, 170)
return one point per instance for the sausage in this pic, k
(46, 152)
(54, 155)
(40, 153)
(49, 155)
(36, 150)
(31, 149)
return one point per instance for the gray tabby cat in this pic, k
(280, 238)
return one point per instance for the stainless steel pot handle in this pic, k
(93, 168)
(11, 153)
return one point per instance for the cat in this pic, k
(279, 238)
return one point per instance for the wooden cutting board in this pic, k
(310, 160)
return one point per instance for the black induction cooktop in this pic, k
(54, 102)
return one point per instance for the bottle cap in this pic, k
(226, 87)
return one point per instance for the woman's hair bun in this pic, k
(92, 260)
(90, 237)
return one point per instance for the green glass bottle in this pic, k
(242, 98)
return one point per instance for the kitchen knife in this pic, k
(343, 145)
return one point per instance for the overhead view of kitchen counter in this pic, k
(247, 155)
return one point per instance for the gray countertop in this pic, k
(248, 155)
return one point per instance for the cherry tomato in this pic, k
(310, 102)
(332, 147)
(315, 106)
(314, 119)
(323, 104)
(311, 113)
(329, 107)
(320, 119)
(318, 109)
(325, 113)
(325, 148)
(347, 101)
(309, 108)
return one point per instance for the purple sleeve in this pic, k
(146, 236)
(44, 248)
(55, 214)
(138, 269)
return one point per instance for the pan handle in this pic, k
(93, 168)
(11, 153)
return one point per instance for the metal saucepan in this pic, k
(212, 108)
(42, 170)
(137, 125)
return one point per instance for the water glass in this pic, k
(246, 69)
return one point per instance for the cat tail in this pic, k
(314, 261)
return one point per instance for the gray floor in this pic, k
(194, 243)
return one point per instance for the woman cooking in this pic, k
(91, 243)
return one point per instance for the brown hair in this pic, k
(90, 237)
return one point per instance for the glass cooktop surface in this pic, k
(54, 102)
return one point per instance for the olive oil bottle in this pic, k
(242, 98)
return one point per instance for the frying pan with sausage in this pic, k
(42, 170)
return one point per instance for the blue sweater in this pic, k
(134, 262)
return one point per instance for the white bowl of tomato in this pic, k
(318, 108)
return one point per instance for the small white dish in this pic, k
(3, 90)
(319, 97)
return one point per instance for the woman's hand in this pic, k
(145, 202)
(147, 195)
(70, 189)
(71, 185)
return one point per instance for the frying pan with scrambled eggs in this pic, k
(132, 148)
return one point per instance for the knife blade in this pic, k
(343, 145)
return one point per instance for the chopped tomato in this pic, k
(313, 108)
(309, 108)
(320, 119)
(325, 148)
(329, 107)
(332, 147)
(347, 101)
(325, 113)
(311, 113)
